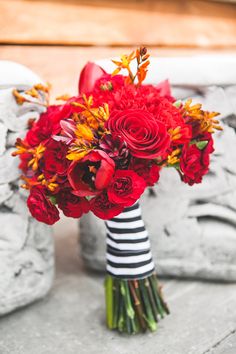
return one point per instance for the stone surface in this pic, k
(71, 318)
(5, 192)
(13, 74)
(26, 247)
(15, 117)
(225, 346)
(3, 136)
(192, 229)
(9, 171)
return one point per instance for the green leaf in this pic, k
(177, 104)
(175, 165)
(53, 199)
(192, 142)
(202, 144)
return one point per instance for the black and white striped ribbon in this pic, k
(128, 246)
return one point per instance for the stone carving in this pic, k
(192, 229)
(26, 248)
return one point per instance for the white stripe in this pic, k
(136, 236)
(129, 214)
(129, 259)
(129, 246)
(131, 271)
(126, 225)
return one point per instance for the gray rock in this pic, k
(14, 116)
(192, 229)
(71, 319)
(3, 136)
(26, 262)
(26, 246)
(5, 192)
(9, 167)
(12, 136)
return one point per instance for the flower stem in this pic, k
(133, 306)
(109, 301)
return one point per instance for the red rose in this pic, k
(125, 188)
(55, 161)
(88, 76)
(145, 136)
(194, 162)
(71, 205)
(146, 169)
(41, 207)
(91, 174)
(103, 208)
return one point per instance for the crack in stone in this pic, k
(233, 331)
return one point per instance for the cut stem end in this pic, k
(134, 306)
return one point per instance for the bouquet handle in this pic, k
(134, 302)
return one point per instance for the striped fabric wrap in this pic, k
(128, 246)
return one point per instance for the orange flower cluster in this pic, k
(204, 120)
(141, 56)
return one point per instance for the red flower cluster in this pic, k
(100, 150)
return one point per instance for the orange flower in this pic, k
(175, 133)
(205, 119)
(124, 63)
(49, 184)
(83, 132)
(173, 158)
(77, 153)
(141, 57)
(21, 147)
(37, 155)
(94, 117)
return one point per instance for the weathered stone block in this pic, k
(26, 246)
(192, 229)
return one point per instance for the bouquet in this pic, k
(98, 152)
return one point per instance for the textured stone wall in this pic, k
(26, 248)
(192, 229)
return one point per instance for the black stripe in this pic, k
(122, 253)
(128, 276)
(133, 207)
(136, 218)
(126, 231)
(127, 240)
(129, 265)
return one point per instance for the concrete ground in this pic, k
(70, 320)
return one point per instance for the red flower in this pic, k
(71, 205)
(24, 160)
(148, 170)
(125, 188)
(41, 207)
(103, 208)
(91, 174)
(194, 163)
(145, 136)
(170, 115)
(55, 161)
(109, 84)
(47, 125)
(88, 77)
